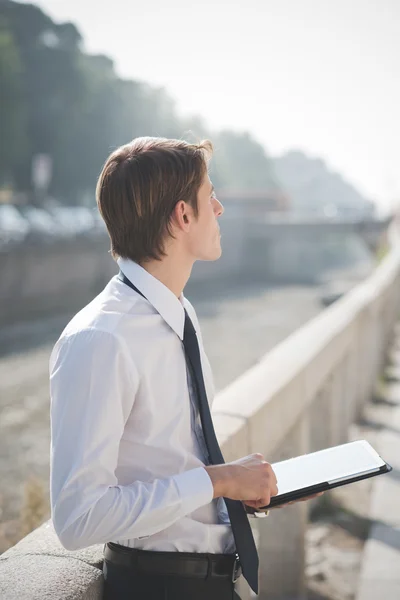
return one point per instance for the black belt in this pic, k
(179, 564)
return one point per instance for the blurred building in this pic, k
(254, 202)
(317, 191)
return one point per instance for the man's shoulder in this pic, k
(104, 314)
(94, 331)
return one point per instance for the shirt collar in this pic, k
(160, 297)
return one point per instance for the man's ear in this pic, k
(179, 212)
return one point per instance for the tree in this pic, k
(72, 106)
(241, 162)
(13, 122)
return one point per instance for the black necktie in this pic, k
(241, 529)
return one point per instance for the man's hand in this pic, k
(250, 479)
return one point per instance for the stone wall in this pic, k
(55, 276)
(43, 279)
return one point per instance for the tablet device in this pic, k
(326, 469)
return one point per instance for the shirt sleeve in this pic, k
(93, 383)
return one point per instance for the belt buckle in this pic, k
(236, 571)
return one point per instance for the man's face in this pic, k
(205, 237)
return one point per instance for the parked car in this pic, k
(13, 226)
(73, 220)
(43, 227)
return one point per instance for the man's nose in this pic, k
(219, 210)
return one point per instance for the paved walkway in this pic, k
(380, 571)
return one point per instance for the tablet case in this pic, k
(322, 487)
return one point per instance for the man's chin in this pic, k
(215, 255)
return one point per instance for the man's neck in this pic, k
(172, 271)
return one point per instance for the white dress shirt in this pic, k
(127, 450)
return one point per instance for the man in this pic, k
(135, 464)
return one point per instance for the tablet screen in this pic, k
(339, 462)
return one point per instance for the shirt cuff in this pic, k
(195, 489)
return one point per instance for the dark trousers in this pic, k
(122, 583)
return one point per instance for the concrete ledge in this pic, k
(39, 568)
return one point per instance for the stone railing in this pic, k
(303, 396)
(300, 397)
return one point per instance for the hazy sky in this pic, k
(320, 75)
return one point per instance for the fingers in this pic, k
(263, 501)
(268, 487)
(253, 503)
(273, 476)
(259, 503)
(272, 480)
